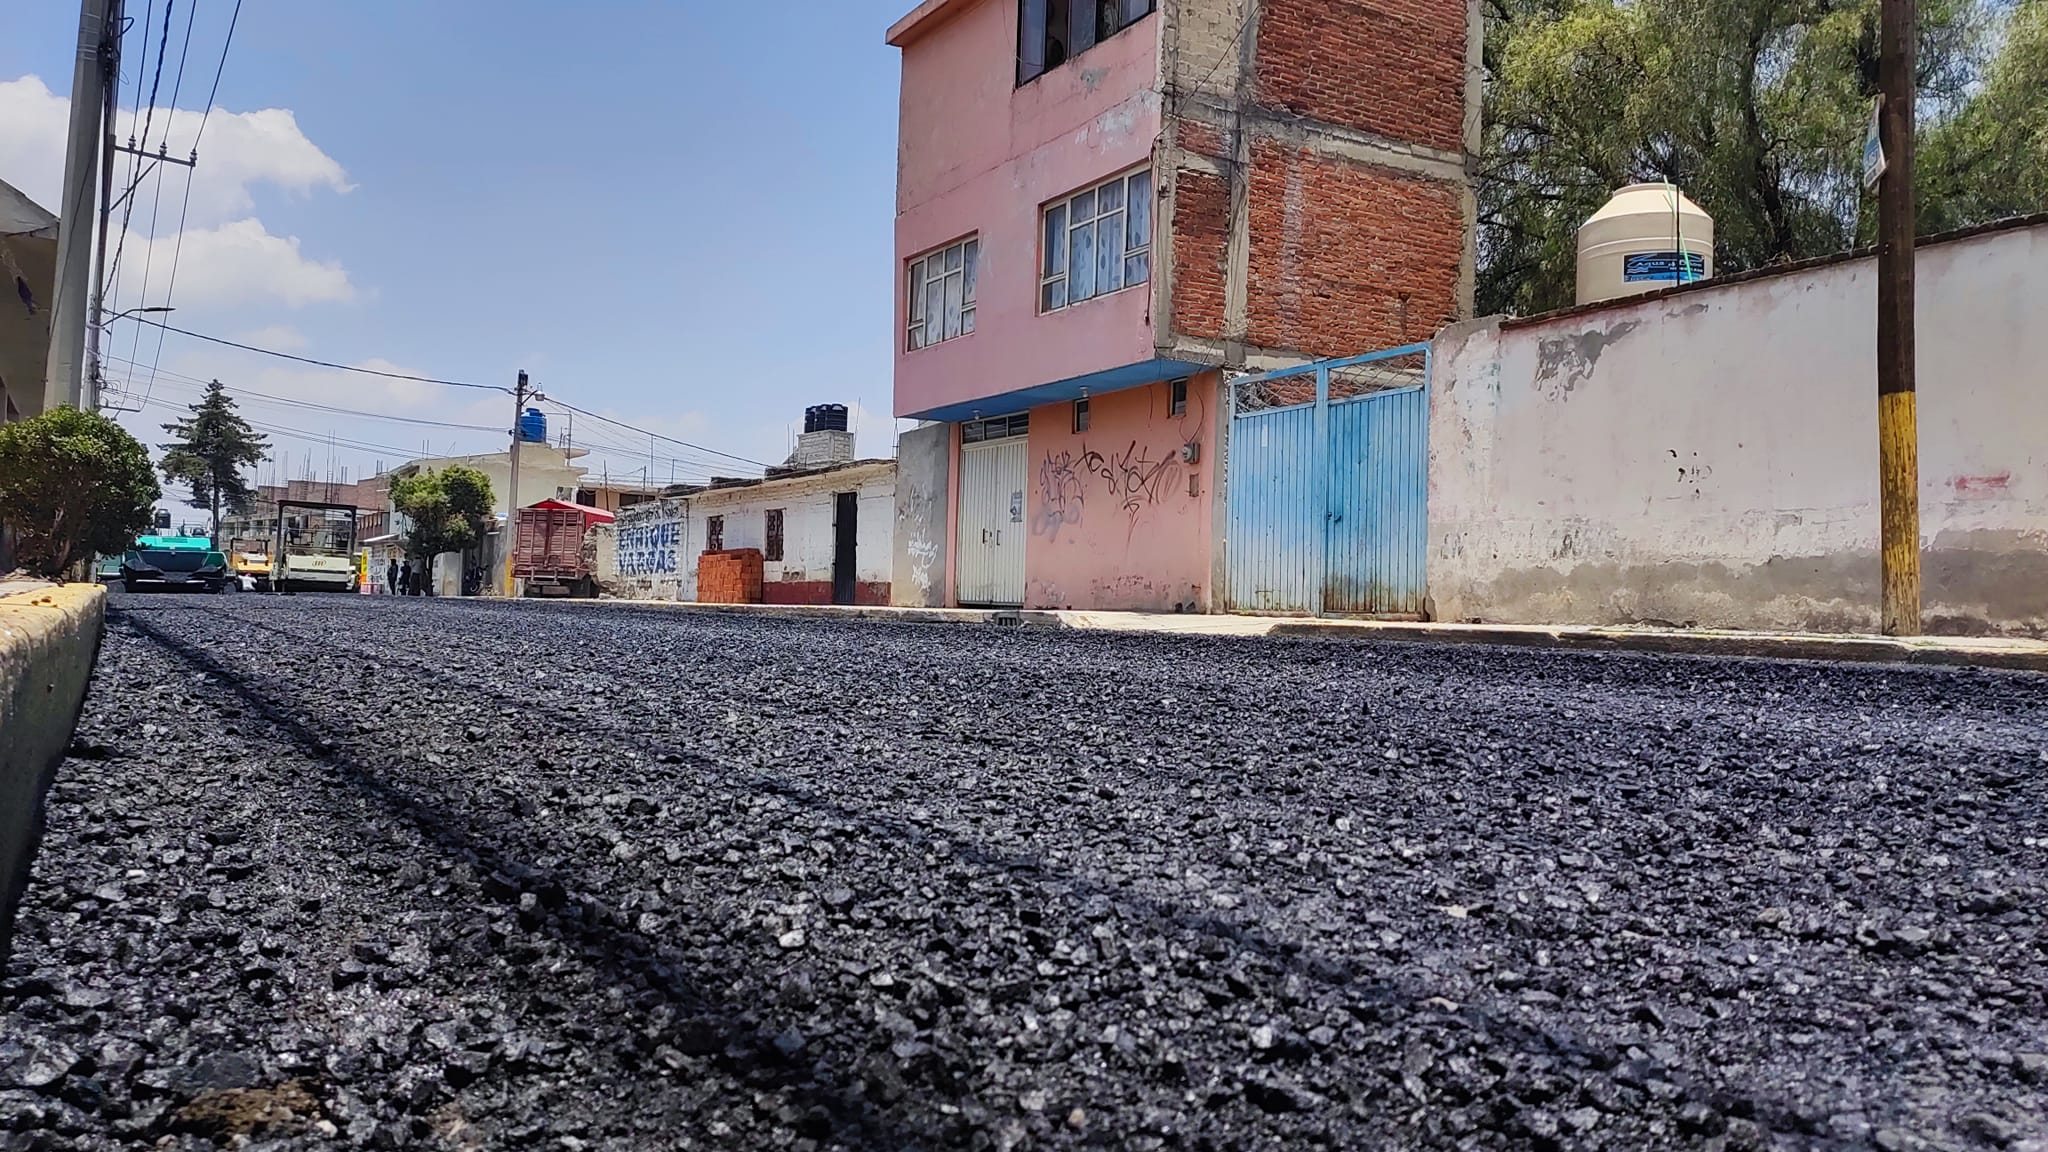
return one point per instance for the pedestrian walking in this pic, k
(391, 577)
(404, 585)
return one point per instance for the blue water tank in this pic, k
(533, 426)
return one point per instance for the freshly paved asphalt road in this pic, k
(391, 873)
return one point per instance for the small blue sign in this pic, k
(1662, 266)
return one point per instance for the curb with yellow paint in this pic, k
(49, 637)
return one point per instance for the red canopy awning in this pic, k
(590, 515)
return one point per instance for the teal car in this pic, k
(107, 570)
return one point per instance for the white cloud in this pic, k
(241, 150)
(280, 337)
(228, 256)
(236, 263)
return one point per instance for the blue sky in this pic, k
(677, 214)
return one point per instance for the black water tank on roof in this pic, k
(825, 418)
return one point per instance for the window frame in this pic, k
(1057, 236)
(1177, 397)
(984, 430)
(1081, 415)
(714, 533)
(771, 534)
(1076, 38)
(918, 281)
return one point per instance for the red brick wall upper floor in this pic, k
(1392, 68)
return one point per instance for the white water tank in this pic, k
(1634, 243)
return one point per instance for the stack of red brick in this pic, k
(729, 577)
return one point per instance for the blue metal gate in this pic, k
(1326, 484)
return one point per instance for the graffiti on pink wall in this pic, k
(1130, 479)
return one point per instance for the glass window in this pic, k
(995, 428)
(1081, 415)
(1051, 32)
(941, 289)
(1081, 268)
(1097, 241)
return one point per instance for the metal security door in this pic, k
(1378, 534)
(1326, 488)
(1271, 519)
(992, 522)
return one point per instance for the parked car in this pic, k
(173, 569)
(106, 570)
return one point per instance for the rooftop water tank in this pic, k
(825, 418)
(533, 426)
(1649, 236)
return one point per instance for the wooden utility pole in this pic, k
(1898, 436)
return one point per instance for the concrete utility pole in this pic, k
(1898, 437)
(519, 394)
(90, 84)
(94, 376)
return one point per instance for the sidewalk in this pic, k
(1958, 651)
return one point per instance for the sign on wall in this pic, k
(650, 549)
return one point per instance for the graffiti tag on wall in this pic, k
(1130, 477)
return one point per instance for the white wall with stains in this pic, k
(923, 464)
(1710, 457)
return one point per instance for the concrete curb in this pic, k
(2009, 655)
(49, 637)
(2004, 654)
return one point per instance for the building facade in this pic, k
(822, 535)
(1100, 203)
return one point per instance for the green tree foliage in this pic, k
(211, 448)
(1991, 160)
(1755, 108)
(72, 484)
(447, 510)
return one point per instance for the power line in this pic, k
(1229, 49)
(136, 173)
(315, 437)
(656, 435)
(617, 423)
(185, 206)
(194, 381)
(221, 67)
(321, 363)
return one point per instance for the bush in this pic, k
(72, 484)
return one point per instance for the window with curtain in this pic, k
(1097, 242)
(941, 292)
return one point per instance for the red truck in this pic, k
(547, 556)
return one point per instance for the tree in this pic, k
(1755, 108)
(1991, 160)
(213, 445)
(73, 484)
(446, 509)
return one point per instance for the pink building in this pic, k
(1102, 202)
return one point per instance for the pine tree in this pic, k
(213, 445)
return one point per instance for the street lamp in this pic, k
(136, 312)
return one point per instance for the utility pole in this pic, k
(1898, 437)
(111, 98)
(89, 83)
(519, 395)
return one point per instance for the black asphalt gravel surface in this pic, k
(394, 873)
